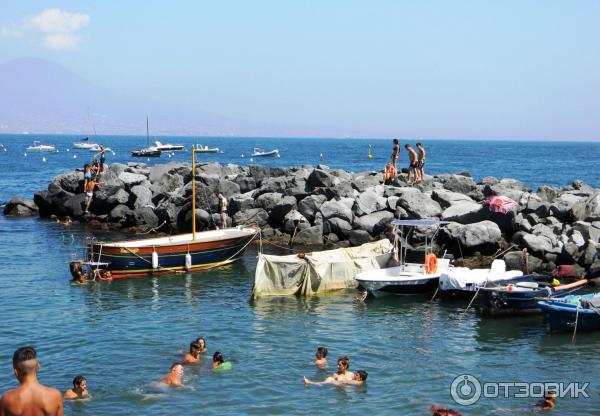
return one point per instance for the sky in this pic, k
(428, 69)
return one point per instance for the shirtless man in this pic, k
(31, 397)
(359, 378)
(548, 402)
(413, 163)
(421, 162)
(89, 189)
(102, 159)
(343, 364)
(79, 390)
(192, 357)
(173, 378)
(223, 210)
(395, 154)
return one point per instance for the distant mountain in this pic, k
(40, 96)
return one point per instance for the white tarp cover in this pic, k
(319, 271)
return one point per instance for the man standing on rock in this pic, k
(421, 162)
(31, 397)
(412, 168)
(223, 210)
(395, 154)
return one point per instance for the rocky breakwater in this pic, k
(331, 206)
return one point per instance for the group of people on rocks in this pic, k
(91, 177)
(415, 167)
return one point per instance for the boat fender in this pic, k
(188, 262)
(430, 263)
(155, 260)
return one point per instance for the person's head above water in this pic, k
(79, 382)
(395, 141)
(25, 362)
(361, 375)
(218, 358)
(321, 352)
(201, 342)
(194, 347)
(343, 363)
(177, 368)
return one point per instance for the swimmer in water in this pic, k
(202, 344)
(321, 356)
(219, 362)
(173, 378)
(79, 390)
(79, 276)
(358, 379)
(548, 402)
(443, 411)
(343, 364)
(192, 357)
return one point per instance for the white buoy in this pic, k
(43, 159)
(321, 155)
(25, 154)
(74, 156)
(242, 155)
(188, 262)
(148, 159)
(251, 160)
(68, 150)
(155, 260)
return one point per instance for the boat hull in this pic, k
(407, 287)
(562, 317)
(505, 302)
(124, 261)
(141, 153)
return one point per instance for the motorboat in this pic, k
(408, 278)
(168, 147)
(84, 144)
(464, 282)
(36, 146)
(256, 152)
(564, 314)
(206, 149)
(148, 151)
(522, 297)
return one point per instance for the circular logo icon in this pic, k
(465, 390)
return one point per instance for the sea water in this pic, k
(123, 335)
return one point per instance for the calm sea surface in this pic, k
(123, 335)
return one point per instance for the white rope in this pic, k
(236, 253)
(576, 319)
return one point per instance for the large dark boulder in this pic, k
(458, 183)
(358, 237)
(121, 214)
(365, 180)
(142, 197)
(321, 179)
(417, 204)
(587, 210)
(310, 205)
(370, 201)
(256, 216)
(465, 212)
(281, 208)
(268, 201)
(374, 223)
(246, 183)
(310, 235)
(228, 188)
(240, 203)
(338, 226)
(484, 237)
(74, 206)
(145, 216)
(71, 182)
(336, 209)
(20, 207)
(447, 198)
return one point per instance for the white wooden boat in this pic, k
(206, 149)
(464, 282)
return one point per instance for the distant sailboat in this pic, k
(148, 151)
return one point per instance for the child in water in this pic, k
(321, 356)
(219, 362)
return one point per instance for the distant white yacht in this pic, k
(39, 147)
(84, 144)
(167, 147)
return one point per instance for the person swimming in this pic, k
(443, 411)
(173, 377)
(79, 390)
(548, 402)
(359, 378)
(202, 344)
(219, 362)
(321, 356)
(192, 357)
(79, 276)
(343, 364)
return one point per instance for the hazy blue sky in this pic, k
(430, 69)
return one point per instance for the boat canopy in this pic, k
(419, 223)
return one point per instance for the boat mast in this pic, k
(193, 193)
(147, 134)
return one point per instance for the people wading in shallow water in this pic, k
(343, 364)
(79, 390)
(173, 377)
(31, 397)
(321, 357)
(192, 357)
(358, 379)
